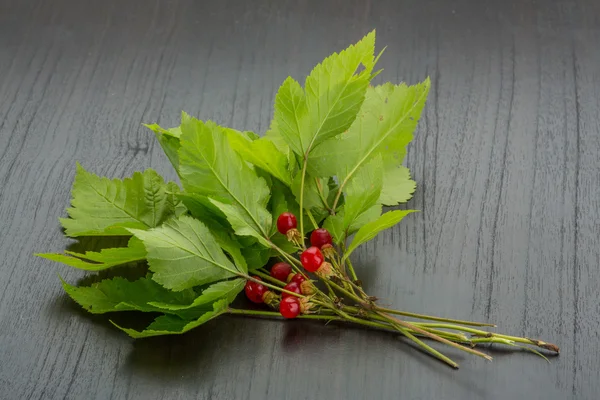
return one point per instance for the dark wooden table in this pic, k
(507, 157)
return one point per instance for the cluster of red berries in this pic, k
(290, 305)
(312, 260)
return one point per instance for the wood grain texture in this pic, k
(507, 157)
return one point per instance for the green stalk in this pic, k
(430, 349)
(432, 318)
(269, 278)
(302, 195)
(433, 336)
(486, 335)
(348, 294)
(322, 197)
(274, 314)
(351, 269)
(312, 219)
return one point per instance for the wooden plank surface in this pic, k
(507, 157)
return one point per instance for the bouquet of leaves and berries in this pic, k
(300, 199)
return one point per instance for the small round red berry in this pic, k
(298, 278)
(311, 259)
(289, 307)
(320, 237)
(285, 222)
(281, 270)
(291, 287)
(255, 291)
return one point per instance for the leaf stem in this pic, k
(323, 199)
(432, 318)
(351, 269)
(302, 194)
(312, 219)
(433, 336)
(348, 294)
(269, 278)
(274, 314)
(484, 334)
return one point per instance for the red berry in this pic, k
(298, 278)
(281, 270)
(311, 259)
(255, 291)
(285, 222)
(291, 287)
(319, 237)
(289, 307)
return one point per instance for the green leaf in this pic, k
(363, 190)
(398, 187)
(221, 290)
(119, 294)
(210, 167)
(263, 154)
(173, 325)
(312, 198)
(367, 216)
(385, 126)
(334, 92)
(227, 242)
(370, 230)
(169, 141)
(200, 207)
(335, 225)
(104, 207)
(183, 253)
(98, 261)
(257, 256)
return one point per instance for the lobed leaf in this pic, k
(221, 290)
(120, 294)
(98, 261)
(169, 141)
(332, 96)
(173, 325)
(104, 207)
(183, 253)
(210, 167)
(370, 230)
(385, 126)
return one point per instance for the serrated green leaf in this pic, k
(256, 256)
(119, 294)
(226, 240)
(200, 207)
(104, 207)
(335, 225)
(312, 197)
(98, 261)
(367, 216)
(385, 126)
(363, 190)
(370, 230)
(398, 187)
(173, 325)
(221, 290)
(169, 141)
(237, 218)
(183, 253)
(263, 154)
(334, 92)
(210, 167)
